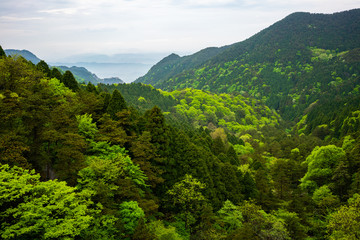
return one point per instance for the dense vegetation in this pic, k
(290, 65)
(129, 161)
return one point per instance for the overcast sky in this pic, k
(53, 29)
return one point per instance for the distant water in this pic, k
(128, 72)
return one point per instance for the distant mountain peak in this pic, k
(171, 57)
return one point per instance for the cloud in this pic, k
(19, 19)
(67, 11)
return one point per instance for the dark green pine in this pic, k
(117, 103)
(69, 81)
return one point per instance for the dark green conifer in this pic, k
(91, 88)
(218, 146)
(55, 73)
(157, 128)
(44, 67)
(69, 81)
(116, 104)
(2, 52)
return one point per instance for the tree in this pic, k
(44, 67)
(30, 209)
(187, 196)
(144, 154)
(292, 222)
(162, 232)
(91, 88)
(345, 223)
(69, 81)
(116, 104)
(257, 224)
(86, 127)
(55, 73)
(2, 52)
(13, 149)
(130, 213)
(111, 131)
(321, 164)
(112, 176)
(281, 173)
(158, 130)
(69, 157)
(231, 216)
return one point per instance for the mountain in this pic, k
(174, 64)
(24, 53)
(127, 66)
(128, 72)
(289, 65)
(83, 75)
(112, 80)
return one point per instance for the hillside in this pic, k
(83, 75)
(288, 66)
(24, 53)
(174, 64)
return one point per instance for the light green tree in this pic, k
(187, 195)
(162, 232)
(321, 164)
(130, 213)
(345, 223)
(231, 215)
(86, 127)
(30, 209)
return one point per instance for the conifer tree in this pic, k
(2, 52)
(55, 73)
(116, 104)
(158, 130)
(69, 81)
(91, 88)
(44, 67)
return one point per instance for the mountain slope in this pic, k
(289, 65)
(83, 75)
(80, 73)
(24, 53)
(174, 64)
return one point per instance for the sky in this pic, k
(54, 29)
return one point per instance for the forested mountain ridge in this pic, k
(174, 64)
(24, 53)
(289, 65)
(81, 74)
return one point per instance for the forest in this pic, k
(222, 148)
(129, 161)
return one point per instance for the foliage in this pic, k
(2, 53)
(187, 193)
(130, 213)
(33, 209)
(163, 232)
(116, 104)
(321, 164)
(87, 129)
(69, 81)
(344, 224)
(231, 216)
